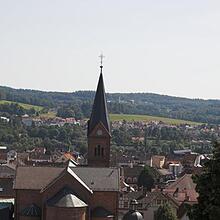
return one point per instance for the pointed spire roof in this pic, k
(99, 110)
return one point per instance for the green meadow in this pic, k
(25, 106)
(148, 118)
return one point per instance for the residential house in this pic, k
(157, 161)
(148, 203)
(3, 155)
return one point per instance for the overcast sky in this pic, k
(168, 47)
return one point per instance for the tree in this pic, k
(146, 179)
(165, 212)
(208, 187)
(65, 112)
(121, 137)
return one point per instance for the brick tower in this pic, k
(99, 129)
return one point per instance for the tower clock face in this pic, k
(99, 132)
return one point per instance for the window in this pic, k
(121, 202)
(99, 150)
(125, 204)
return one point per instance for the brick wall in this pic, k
(66, 181)
(107, 200)
(104, 141)
(53, 213)
(25, 198)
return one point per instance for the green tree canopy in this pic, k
(208, 187)
(146, 179)
(165, 212)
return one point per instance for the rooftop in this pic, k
(99, 179)
(39, 178)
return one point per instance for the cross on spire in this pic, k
(101, 61)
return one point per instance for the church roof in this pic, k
(92, 178)
(35, 177)
(99, 110)
(66, 198)
(99, 179)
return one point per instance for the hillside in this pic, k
(23, 105)
(148, 118)
(205, 111)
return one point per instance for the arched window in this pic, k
(99, 150)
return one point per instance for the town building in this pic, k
(3, 155)
(7, 194)
(75, 192)
(157, 161)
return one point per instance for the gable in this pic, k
(99, 126)
(67, 179)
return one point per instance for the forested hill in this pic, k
(206, 111)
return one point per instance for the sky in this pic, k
(169, 47)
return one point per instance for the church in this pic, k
(75, 192)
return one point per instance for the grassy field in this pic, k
(147, 118)
(113, 117)
(25, 106)
(50, 114)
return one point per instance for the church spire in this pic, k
(99, 110)
(99, 137)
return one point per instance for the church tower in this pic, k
(99, 129)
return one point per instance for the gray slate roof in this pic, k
(35, 177)
(66, 198)
(99, 179)
(99, 110)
